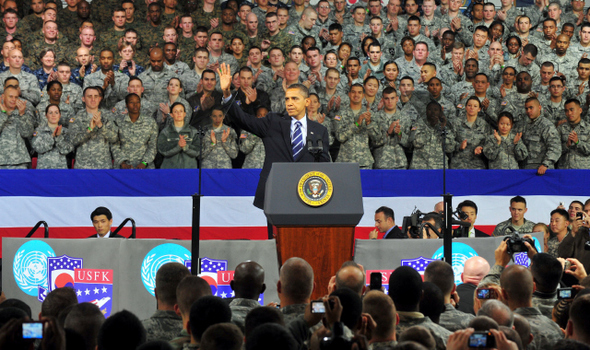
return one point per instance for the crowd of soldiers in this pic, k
(134, 84)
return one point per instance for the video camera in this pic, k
(515, 243)
(415, 224)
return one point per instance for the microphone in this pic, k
(316, 150)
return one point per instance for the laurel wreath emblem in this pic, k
(146, 274)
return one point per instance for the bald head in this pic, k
(248, 280)
(517, 285)
(251, 16)
(475, 270)
(295, 281)
(351, 277)
(381, 308)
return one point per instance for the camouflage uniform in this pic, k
(112, 94)
(506, 155)
(137, 141)
(61, 48)
(155, 84)
(71, 93)
(29, 86)
(388, 152)
(453, 319)
(354, 140)
(225, 58)
(490, 114)
(67, 113)
(427, 143)
(148, 108)
(252, 146)
(187, 48)
(93, 147)
(565, 64)
(527, 227)
(281, 40)
(545, 332)
(475, 135)
(68, 19)
(291, 312)
(465, 35)
(533, 69)
(554, 112)
(240, 308)
(545, 301)
(178, 67)
(573, 90)
(202, 18)
(150, 34)
(14, 130)
(51, 151)
(163, 325)
(542, 142)
(577, 155)
(297, 33)
(109, 39)
(553, 246)
(376, 71)
(409, 319)
(33, 22)
(176, 157)
(182, 339)
(162, 120)
(511, 15)
(514, 103)
(218, 155)
(449, 109)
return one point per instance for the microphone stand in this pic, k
(316, 150)
(196, 217)
(448, 204)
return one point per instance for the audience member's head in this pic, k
(570, 344)
(381, 308)
(121, 331)
(11, 313)
(167, 279)
(483, 323)
(57, 300)
(19, 304)
(523, 327)
(512, 335)
(262, 315)
(295, 283)
(441, 274)
(271, 337)
(433, 301)
(546, 271)
(476, 268)
(222, 336)
(86, 320)
(420, 335)
(352, 307)
(248, 280)
(578, 326)
(498, 311)
(405, 288)
(205, 312)
(517, 286)
(351, 276)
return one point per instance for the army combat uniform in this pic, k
(355, 138)
(93, 145)
(218, 154)
(51, 151)
(137, 142)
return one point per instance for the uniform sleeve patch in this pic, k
(72, 120)
(243, 136)
(35, 134)
(337, 117)
(459, 106)
(504, 103)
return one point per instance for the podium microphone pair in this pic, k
(317, 149)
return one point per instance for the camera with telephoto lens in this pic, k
(411, 224)
(337, 341)
(516, 244)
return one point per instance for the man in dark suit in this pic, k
(385, 223)
(284, 136)
(470, 209)
(102, 220)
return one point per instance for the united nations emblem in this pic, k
(315, 188)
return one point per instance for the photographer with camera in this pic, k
(461, 339)
(576, 244)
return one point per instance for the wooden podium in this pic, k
(306, 227)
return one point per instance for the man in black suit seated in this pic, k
(470, 209)
(102, 220)
(284, 136)
(385, 223)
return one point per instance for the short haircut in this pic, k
(467, 203)
(208, 71)
(296, 276)
(422, 43)
(352, 306)
(546, 270)
(530, 48)
(57, 300)
(381, 308)
(167, 279)
(189, 290)
(414, 18)
(54, 82)
(262, 315)
(579, 312)
(390, 90)
(561, 212)
(584, 60)
(303, 90)
(420, 335)
(271, 336)
(17, 303)
(405, 288)
(121, 331)
(548, 64)
(498, 311)
(11, 313)
(177, 104)
(207, 311)
(518, 199)
(86, 320)
(101, 211)
(129, 96)
(96, 88)
(549, 19)
(226, 336)
(481, 28)
(432, 303)
(387, 212)
(407, 77)
(441, 274)
(483, 323)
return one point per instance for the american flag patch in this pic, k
(459, 106)
(337, 117)
(504, 103)
(243, 136)
(72, 120)
(35, 134)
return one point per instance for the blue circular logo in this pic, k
(461, 252)
(523, 258)
(30, 266)
(160, 255)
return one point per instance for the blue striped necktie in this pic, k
(297, 140)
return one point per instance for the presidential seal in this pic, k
(315, 188)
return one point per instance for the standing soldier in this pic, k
(16, 125)
(155, 79)
(575, 138)
(389, 153)
(113, 83)
(540, 138)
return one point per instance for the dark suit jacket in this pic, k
(459, 233)
(395, 233)
(116, 235)
(275, 132)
